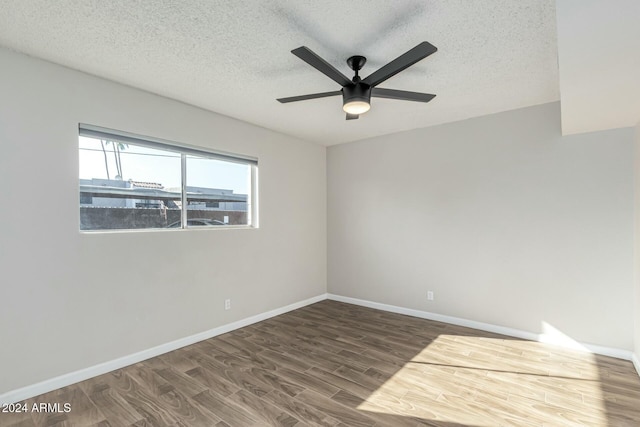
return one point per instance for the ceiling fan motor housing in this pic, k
(358, 92)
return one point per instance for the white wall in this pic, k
(70, 300)
(636, 257)
(505, 220)
(598, 61)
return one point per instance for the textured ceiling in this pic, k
(234, 57)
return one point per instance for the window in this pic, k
(131, 182)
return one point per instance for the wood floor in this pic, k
(335, 364)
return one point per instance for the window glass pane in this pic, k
(124, 186)
(131, 182)
(217, 192)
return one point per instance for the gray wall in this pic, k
(505, 220)
(70, 300)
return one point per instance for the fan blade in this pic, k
(402, 62)
(402, 95)
(311, 58)
(311, 96)
(352, 116)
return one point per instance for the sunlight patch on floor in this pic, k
(551, 335)
(490, 381)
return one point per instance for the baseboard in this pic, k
(636, 362)
(517, 333)
(46, 386)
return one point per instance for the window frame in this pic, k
(97, 132)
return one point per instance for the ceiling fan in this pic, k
(357, 92)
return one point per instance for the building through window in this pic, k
(131, 182)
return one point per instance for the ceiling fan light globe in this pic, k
(356, 107)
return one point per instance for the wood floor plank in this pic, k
(383, 417)
(309, 382)
(276, 381)
(225, 409)
(148, 379)
(156, 399)
(314, 357)
(286, 360)
(115, 408)
(186, 411)
(305, 413)
(178, 360)
(371, 362)
(16, 419)
(237, 377)
(335, 364)
(83, 410)
(139, 397)
(256, 360)
(340, 382)
(186, 384)
(345, 414)
(238, 343)
(262, 410)
(153, 411)
(213, 381)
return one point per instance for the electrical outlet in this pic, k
(430, 295)
(227, 304)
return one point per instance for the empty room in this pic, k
(320, 213)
